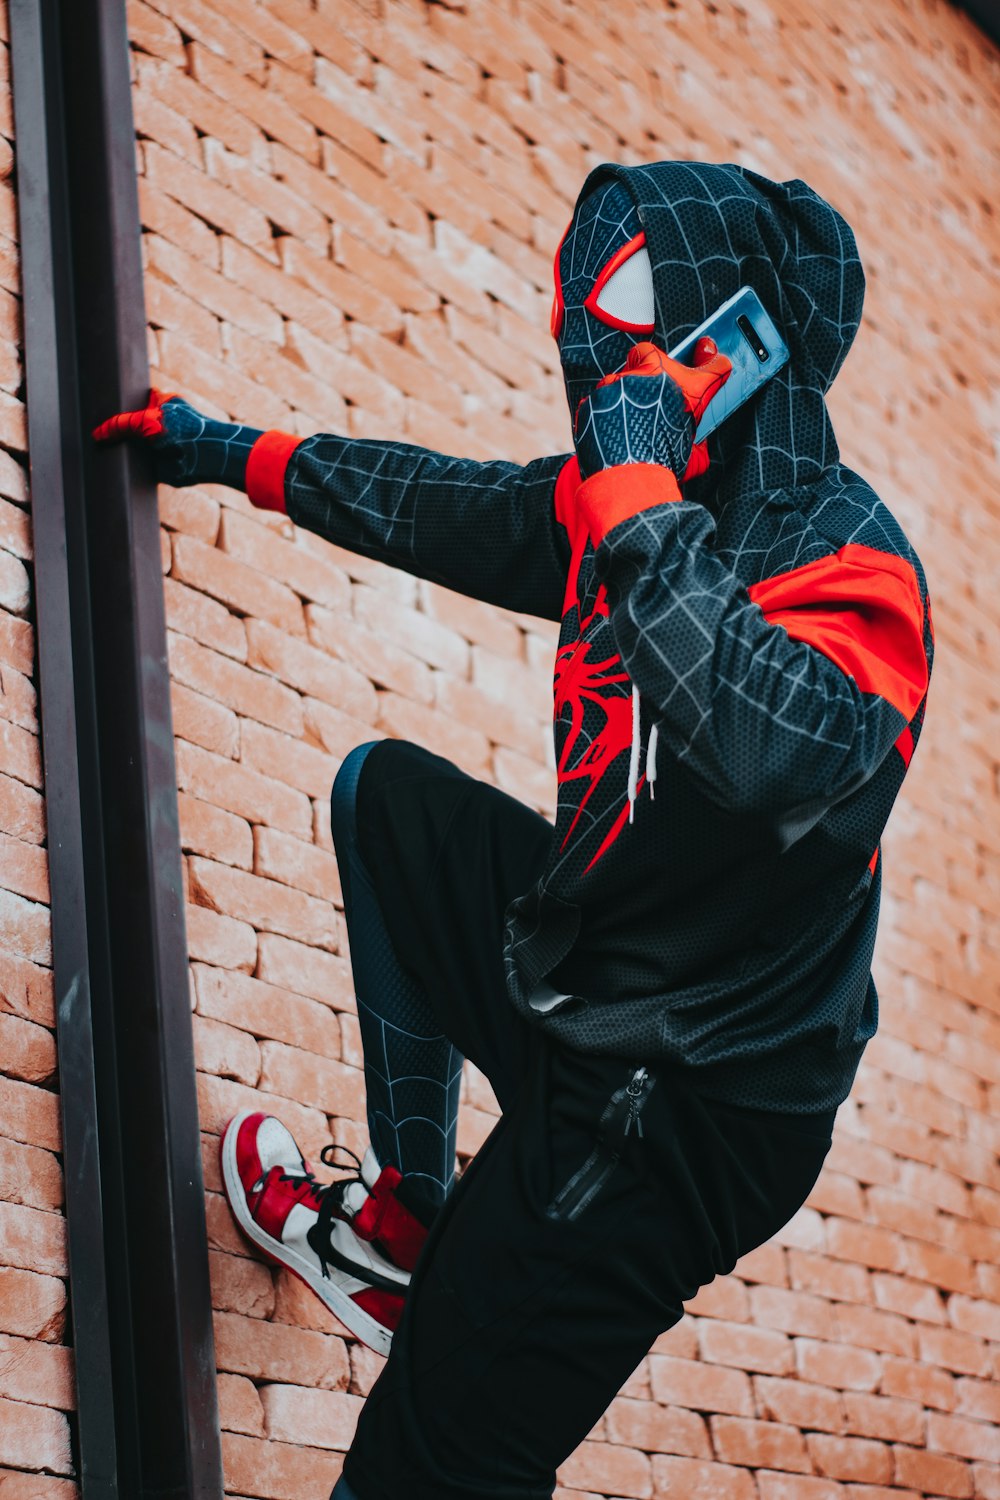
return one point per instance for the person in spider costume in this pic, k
(669, 989)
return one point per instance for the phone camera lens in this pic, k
(752, 337)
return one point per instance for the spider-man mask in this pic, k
(604, 288)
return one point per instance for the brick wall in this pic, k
(349, 212)
(36, 1370)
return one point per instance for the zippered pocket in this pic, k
(619, 1117)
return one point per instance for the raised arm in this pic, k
(484, 529)
(782, 698)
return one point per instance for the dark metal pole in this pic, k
(148, 1423)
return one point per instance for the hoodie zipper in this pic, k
(619, 1118)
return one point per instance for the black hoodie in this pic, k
(766, 640)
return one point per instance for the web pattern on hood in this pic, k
(711, 229)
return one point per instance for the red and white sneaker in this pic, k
(351, 1241)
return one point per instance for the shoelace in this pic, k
(331, 1198)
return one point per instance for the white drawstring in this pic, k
(651, 762)
(633, 765)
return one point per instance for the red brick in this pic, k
(199, 720)
(504, 723)
(366, 1366)
(831, 1278)
(223, 209)
(242, 790)
(924, 1383)
(221, 1098)
(385, 663)
(208, 830)
(202, 21)
(292, 862)
(837, 1365)
(33, 1240)
(28, 1051)
(17, 643)
(400, 717)
(319, 108)
(330, 378)
(152, 32)
(276, 551)
(30, 1114)
(24, 869)
(955, 1350)
(26, 990)
(687, 1382)
(264, 1010)
(978, 1398)
(345, 290)
(609, 1467)
(725, 1297)
(800, 1403)
(20, 754)
(195, 512)
(797, 1487)
(932, 1473)
(322, 1418)
(19, 1486)
(293, 761)
(850, 1458)
(412, 631)
(277, 1471)
(767, 1264)
(33, 1437)
(696, 1480)
(251, 272)
(884, 1331)
(37, 1372)
(265, 107)
(321, 1082)
(239, 1405)
(883, 1417)
(986, 1481)
(770, 1445)
(306, 971)
(277, 1352)
(912, 1299)
(967, 1438)
(18, 700)
(264, 903)
(749, 1348)
(32, 1305)
(792, 1312)
(251, 694)
(233, 582)
(217, 939)
(240, 1285)
(217, 293)
(311, 670)
(225, 1050)
(643, 1425)
(869, 1246)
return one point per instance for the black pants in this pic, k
(522, 1323)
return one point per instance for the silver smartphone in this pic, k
(745, 332)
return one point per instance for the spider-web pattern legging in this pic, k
(412, 1071)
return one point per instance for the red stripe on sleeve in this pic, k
(862, 609)
(265, 478)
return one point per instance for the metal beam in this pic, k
(141, 1310)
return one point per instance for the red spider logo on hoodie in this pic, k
(580, 680)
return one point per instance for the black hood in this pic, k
(711, 229)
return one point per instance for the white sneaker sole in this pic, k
(326, 1288)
